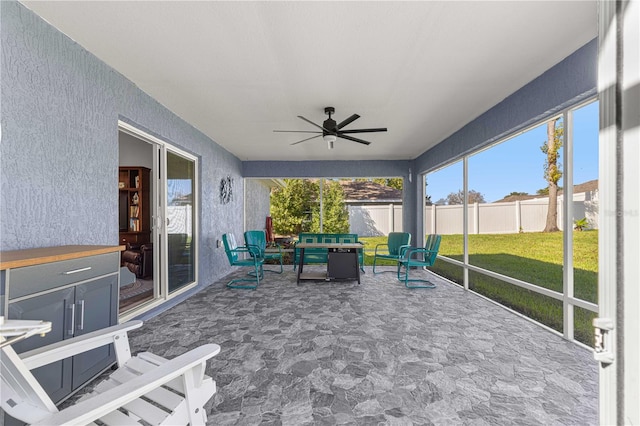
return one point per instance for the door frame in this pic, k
(618, 325)
(158, 218)
(164, 208)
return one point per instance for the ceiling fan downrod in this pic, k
(329, 129)
(329, 111)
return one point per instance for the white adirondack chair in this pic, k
(144, 388)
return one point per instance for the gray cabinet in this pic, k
(78, 296)
(96, 308)
(55, 378)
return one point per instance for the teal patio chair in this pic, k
(236, 257)
(258, 239)
(411, 257)
(395, 242)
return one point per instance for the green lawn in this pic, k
(530, 257)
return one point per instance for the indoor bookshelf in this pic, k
(134, 206)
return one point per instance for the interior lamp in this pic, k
(329, 139)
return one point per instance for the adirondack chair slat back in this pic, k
(230, 247)
(397, 239)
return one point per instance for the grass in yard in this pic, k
(532, 257)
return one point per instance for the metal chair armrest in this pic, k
(276, 246)
(381, 245)
(403, 248)
(253, 249)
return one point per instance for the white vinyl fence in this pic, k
(486, 218)
(508, 218)
(375, 220)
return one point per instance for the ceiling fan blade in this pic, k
(312, 137)
(378, 129)
(349, 120)
(351, 138)
(314, 124)
(296, 131)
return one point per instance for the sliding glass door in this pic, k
(172, 211)
(180, 214)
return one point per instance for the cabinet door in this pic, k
(56, 307)
(96, 308)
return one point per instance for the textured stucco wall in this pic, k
(59, 151)
(257, 195)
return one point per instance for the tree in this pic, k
(336, 216)
(390, 182)
(296, 207)
(545, 191)
(515, 193)
(458, 197)
(552, 172)
(291, 206)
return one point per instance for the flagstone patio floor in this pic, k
(330, 353)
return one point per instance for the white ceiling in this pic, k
(239, 70)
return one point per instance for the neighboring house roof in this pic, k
(588, 186)
(369, 192)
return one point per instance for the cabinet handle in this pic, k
(81, 315)
(75, 271)
(71, 319)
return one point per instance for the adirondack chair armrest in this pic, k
(76, 345)
(90, 409)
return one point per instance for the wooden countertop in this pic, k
(37, 256)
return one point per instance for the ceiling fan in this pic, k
(330, 130)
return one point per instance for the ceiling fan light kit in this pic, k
(331, 131)
(329, 139)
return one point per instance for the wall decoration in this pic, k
(226, 190)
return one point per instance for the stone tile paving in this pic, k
(376, 353)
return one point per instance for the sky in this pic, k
(516, 165)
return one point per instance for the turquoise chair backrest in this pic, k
(230, 246)
(433, 245)
(256, 238)
(397, 239)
